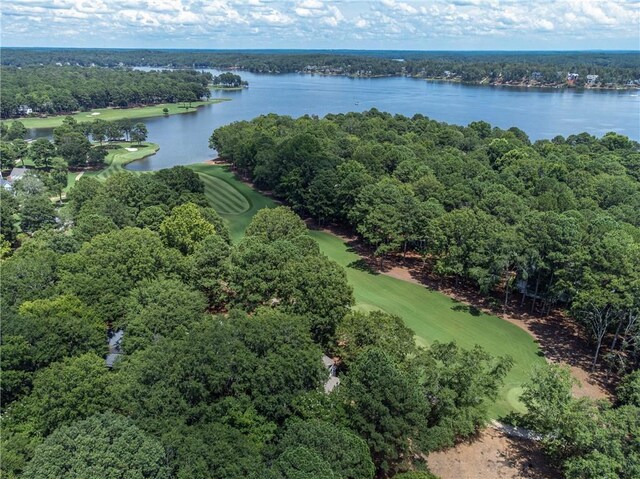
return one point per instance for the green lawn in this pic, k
(436, 317)
(119, 157)
(432, 315)
(119, 113)
(234, 200)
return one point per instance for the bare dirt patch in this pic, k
(492, 455)
(217, 162)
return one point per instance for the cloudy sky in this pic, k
(383, 24)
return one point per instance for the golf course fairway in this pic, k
(433, 316)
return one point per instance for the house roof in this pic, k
(17, 173)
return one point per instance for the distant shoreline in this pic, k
(522, 84)
(535, 85)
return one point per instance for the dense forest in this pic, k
(557, 220)
(612, 69)
(63, 89)
(220, 371)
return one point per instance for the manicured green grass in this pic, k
(235, 201)
(119, 157)
(436, 317)
(432, 315)
(224, 197)
(119, 113)
(71, 180)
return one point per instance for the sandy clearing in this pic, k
(492, 455)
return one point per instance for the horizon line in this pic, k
(591, 50)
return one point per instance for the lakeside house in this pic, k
(591, 79)
(572, 78)
(25, 110)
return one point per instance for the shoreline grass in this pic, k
(111, 114)
(118, 157)
(228, 88)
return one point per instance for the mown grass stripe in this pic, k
(221, 198)
(224, 188)
(225, 195)
(230, 198)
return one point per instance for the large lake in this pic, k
(541, 113)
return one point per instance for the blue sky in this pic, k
(383, 24)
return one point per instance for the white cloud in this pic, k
(271, 16)
(311, 4)
(409, 23)
(545, 25)
(361, 23)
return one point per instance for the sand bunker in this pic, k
(131, 149)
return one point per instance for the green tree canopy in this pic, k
(105, 269)
(155, 309)
(57, 328)
(104, 445)
(271, 224)
(346, 453)
(299, 462)
(37, 212)
(185, 227)
(385, 406)
(359, 331)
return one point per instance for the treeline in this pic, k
(613, 69)
(220, 374)
(557, 220)
(229, 80)
(50, 89)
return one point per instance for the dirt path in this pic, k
(492, 455)
(558, 337)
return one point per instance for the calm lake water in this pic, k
(541, 113)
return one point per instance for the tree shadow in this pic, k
(467, 308)
(363, 265)
(528, 458)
